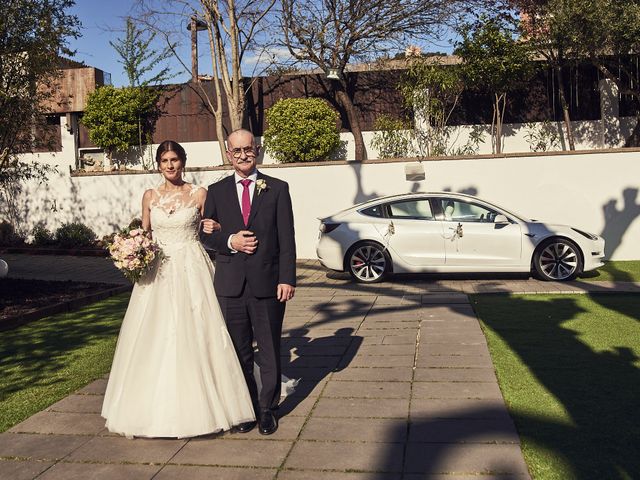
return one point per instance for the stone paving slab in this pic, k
(453, 349)
(357, 389)
(386, 350)
(453, 338)
(484, 476)
(378, 361)
(455, 375)
(465, 459)
(319, 475)
(470, 408)
(78, 404)
(22, 470)
(234, 452)
(381, 374)
(123, 450)
(385, 457)
(39, 447)
(61, 423)
(98, 471)
(356, 429)
(172, 472)
(480, 430)
(486, 390)
(445, 361)
(362, 407)
(96, 387)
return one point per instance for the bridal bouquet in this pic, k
(133, 252)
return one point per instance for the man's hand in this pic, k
(244, 241)
(209, 226)
(285, 292)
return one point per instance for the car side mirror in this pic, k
(500, 219)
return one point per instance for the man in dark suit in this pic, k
(255, 268)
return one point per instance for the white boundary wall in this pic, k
(595, 191)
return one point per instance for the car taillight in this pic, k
(328, 227)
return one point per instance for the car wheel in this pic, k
(557, 259)
(368, 262)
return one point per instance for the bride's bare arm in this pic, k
(208, 225)
(146, 204)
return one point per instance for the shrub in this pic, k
(76, 234)
(301, 130)
(392, 137)
(42, 236)
(119, 118)
(8, 236)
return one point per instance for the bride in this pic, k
(175, 372)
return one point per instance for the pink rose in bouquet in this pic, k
(133, 252)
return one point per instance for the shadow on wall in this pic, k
(85, 200)
(361, 196)
(587, 135)
(617, 221)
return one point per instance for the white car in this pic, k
(450, 232)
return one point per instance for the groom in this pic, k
(255, 268)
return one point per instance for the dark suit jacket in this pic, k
(271, 219)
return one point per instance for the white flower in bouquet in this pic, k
(133, 252)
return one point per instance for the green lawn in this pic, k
(621, 271)
(569, 369)
(44, 361)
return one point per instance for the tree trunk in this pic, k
(354, 122)
(565, 108)
(497, 115)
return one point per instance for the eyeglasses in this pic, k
(248, 151)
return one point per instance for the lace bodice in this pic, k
(175, 217)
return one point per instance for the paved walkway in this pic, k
(397, 383)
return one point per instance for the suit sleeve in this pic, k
(218, 239)
(286, 238)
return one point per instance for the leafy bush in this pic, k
(119, 118)
(8, 236)
(76, 234)
(301, 130)
(392, 137)
(42, 236)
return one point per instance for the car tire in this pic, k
(557, 259)
(368, 262)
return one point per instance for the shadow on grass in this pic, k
(589, 372)
(38, 354)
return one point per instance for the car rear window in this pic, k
(375, 211)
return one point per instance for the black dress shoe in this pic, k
(245, 427)
(268, 423)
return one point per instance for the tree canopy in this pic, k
(33, 36)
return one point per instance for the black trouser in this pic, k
(248, 317)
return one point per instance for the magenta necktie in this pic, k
(246, 200)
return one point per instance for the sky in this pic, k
(104, 21)
(100, 21)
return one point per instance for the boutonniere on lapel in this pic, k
(261, 185)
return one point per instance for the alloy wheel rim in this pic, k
(559, 261)
(368, 263)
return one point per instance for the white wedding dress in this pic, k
(175, 372)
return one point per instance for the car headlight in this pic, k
(590, 236)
